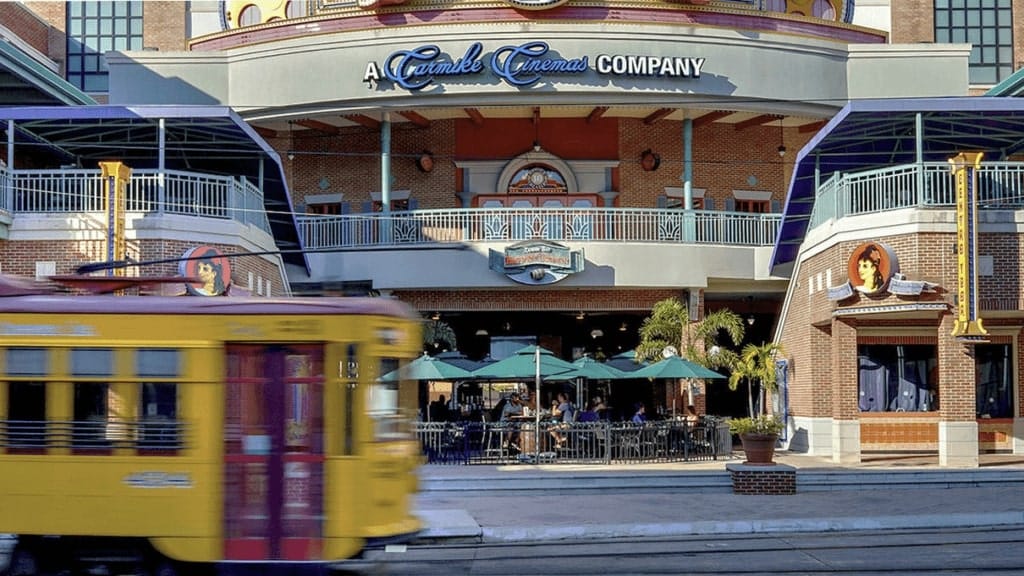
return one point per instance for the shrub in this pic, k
(763, 424)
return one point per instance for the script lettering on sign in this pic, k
(518, 65)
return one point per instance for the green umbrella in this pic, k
(587, 367)
(626, 362)
(676, 367)
(523, 364)
(427, 368)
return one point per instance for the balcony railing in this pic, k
(558, 224)
(1000, 186)
(148, 191)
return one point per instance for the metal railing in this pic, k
(575, 443)
(929, 185)
(559, 224)
(92, 435)
(148, 191)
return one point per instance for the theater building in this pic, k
(551, 169)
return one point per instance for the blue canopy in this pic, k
(869, 134)
(209, 139)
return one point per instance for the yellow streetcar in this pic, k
(185, 435)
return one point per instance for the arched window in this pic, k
(537, 178)
(250, 16)
(823, 9)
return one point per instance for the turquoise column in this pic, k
(689, 218)
(385, 178)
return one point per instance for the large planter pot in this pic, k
(759, 448)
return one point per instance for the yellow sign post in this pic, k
(968, 326)
(115, 179)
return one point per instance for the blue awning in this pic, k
(208, 139)
(871, 134)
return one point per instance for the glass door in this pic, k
(273, 458)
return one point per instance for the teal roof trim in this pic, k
(41, 77)
(1013, 86)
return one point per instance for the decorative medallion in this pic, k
(210, 266)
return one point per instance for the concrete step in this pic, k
(576, 481)
(707, 482)
(818, 480)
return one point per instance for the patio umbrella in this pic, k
(590, 369)
(676, 367)
(626, 362)
(587, 367)
(523, 364)
(427, 368)
(528, 362)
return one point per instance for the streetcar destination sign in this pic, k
(518, 65)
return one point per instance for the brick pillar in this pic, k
(958, 424)
(844, 377)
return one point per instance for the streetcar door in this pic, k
(273, 456)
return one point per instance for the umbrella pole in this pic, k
(536, 407)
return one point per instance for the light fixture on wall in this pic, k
(596, 333)
(581, 316)
(649, 161)
(481, 332)
(291, 155)
(750, 319)
(435, 316)
(782, 140)
(623, 328)
(750, 310)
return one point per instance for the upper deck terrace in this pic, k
(77, 191)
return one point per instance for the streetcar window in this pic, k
(27, 361)
(90, 416)
(159, 429)
(92, 362)
(384, 405)
(26, 415)
(158, 362)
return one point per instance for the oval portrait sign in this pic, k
(871, 266)
(210, 266)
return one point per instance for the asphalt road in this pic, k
(991, 551)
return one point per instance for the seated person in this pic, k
(513, 408)
(640, 416)
(593, 412)
(565, 413)
(692, 419)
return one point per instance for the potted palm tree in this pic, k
(758, 433)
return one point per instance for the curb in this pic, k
(776, 526)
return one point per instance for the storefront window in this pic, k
(994, 380)
(898, 378)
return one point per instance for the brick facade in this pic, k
(29, 27)
(725, 159)
(20, 257)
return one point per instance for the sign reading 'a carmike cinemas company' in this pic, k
(521, 65)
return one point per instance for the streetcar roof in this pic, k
(229, 305)
(22, 295)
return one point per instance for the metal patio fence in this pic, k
(575, 443)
